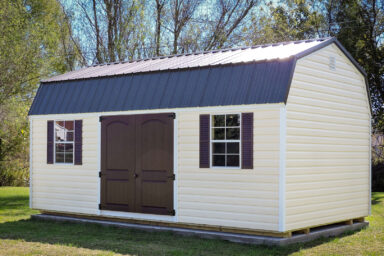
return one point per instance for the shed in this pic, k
(266, 139)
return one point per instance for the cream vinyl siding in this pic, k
(65, 187)
(218, 196)
(230, 197)
(327, 143)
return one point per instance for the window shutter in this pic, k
(78, 142)
(50, 144)
(204, 141)
(247, 140)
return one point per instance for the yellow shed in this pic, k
(267, 140)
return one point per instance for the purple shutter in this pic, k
(247, 140)
(204, 141)
(50, 144)
(78, 142)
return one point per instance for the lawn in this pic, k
(19, 235)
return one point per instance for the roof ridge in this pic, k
(214, 51)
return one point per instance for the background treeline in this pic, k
(41, 38)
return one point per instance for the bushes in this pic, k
(14, 142)
(14, 175)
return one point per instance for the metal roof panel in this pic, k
(249, 83)
(269, 52)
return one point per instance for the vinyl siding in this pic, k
(225, 197)
(63, 187)
(230, 197)
(327, 143)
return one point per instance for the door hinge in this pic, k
(172, 177)
(173, 115)
(100, 118)
(100, 207)
(100, 174)
(172, 212)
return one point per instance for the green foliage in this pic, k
(35, 42)
(14, 134)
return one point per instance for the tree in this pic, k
(230, 14)
(159, 14)
(113, 29)
(34, 43)
(182, 12)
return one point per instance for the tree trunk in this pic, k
(98, 43)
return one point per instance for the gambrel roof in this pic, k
(250, 75)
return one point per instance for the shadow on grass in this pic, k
(128, 241)
(377, 198)
(12, 202)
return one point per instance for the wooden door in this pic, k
(118, 159)
(154, 164)
(137, 163)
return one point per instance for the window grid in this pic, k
(225, 141)
(56, 141)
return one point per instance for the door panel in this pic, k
(118, 163)
(137, 163)
(154, 164)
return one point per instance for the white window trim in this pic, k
(211, 141)
(63, 142)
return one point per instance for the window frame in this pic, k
(211, 141)
(63, 142)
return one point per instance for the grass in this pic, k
(19, 235)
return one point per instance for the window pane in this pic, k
(60, 147)
(218, 133)
(59, 124)
(218, 148)
(68, 147)
(233, 160)
(218, 121)
(59, 157)
(69, 157)
(60, 136)
(59, 131)
(218, 160)
(69, 136)
(69, 125)
(233, 133)
(233, 147)
(233, 120)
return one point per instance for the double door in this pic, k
(137, 163)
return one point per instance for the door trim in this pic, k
(144, 216)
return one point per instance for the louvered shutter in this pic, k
(50, 144)
(78, 142)
(204, 141)
(247, 140)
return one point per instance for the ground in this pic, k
(19, 235)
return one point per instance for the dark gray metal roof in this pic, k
(253, 75)
(252, 83)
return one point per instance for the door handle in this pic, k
(135, 175)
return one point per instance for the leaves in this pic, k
(35, 43)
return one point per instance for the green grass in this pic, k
(19, 235)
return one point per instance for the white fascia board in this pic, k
(215, 109)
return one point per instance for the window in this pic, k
(225, 140)
(64, 141)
